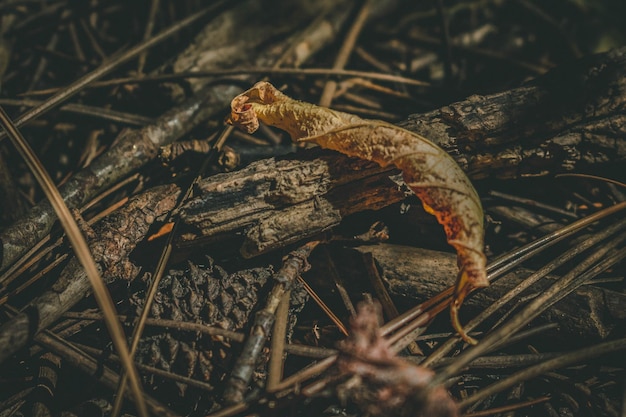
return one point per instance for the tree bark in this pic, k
(111, 242)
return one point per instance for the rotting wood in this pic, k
(279, 201)
(569, 119)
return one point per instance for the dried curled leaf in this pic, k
(428, 171)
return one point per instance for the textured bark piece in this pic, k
(321, 186)
(117, 236)
(428, 170)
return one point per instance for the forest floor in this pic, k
(194, 226)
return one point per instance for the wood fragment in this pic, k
(294, 264)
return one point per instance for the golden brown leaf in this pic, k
(441, 185)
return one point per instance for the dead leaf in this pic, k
(432, 174)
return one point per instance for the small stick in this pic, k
(293, 265)
(345, 297)
(383, 296)
(345, 51)
(275, 367)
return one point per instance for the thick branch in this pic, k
(418, 274)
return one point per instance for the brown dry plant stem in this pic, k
(295, 349)
(294, 264)
(327, 310)
(99, 112)
(561, 361)
(310, 72)
(345, 51)
(507, 408)
(83, 253)
(279, 332)
(154, 8)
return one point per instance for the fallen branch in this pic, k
(112, 241)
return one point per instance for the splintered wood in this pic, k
(441, 185)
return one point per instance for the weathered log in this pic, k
(415, 275)
(279, 201)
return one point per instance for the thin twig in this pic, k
(345, 52)
(99, 112)
(154, 7)
(533, 203)
(507, 408)
(539, 369)
(275, 366)
(318, 300)
(310, 72)
(294, 264)
(341, 289)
